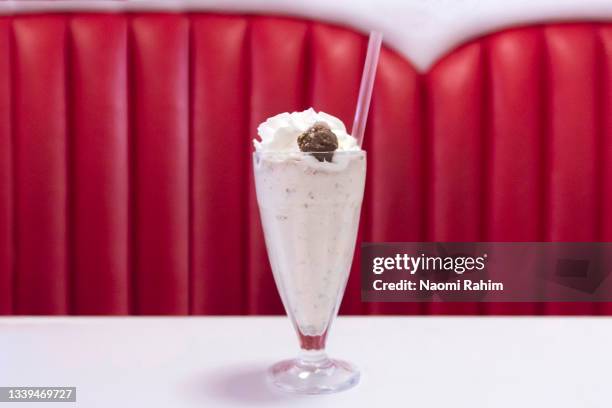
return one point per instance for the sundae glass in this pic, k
(309, 177)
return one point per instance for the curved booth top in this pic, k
(421, 31)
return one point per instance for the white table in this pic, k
(220, 362)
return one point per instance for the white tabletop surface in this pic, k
(221, 362)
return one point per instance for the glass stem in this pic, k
(313, 357)
(312, 350)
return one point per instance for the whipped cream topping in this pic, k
(280, 133)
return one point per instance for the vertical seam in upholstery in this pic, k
(487, 147)
(599, 87)
(126, 306)
(545, 139)
(486, 139)
(428, 156)
(69, 205)
(13, 153)
(246, 242)
(131, 136)
(422, 113)
(606, 134)
(543, 145)
(190, 154)
(426, 145)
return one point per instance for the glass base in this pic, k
(308, 376)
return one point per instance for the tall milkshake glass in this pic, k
(310, 211)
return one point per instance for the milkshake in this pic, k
(309, 177)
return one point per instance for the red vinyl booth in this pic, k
(125, 143)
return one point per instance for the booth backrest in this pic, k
(125, 143)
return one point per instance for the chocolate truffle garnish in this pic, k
(320, 140)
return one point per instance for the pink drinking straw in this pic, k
(366, 87)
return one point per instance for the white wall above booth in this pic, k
(421, 30)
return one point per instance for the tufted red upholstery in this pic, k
(125, 183)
